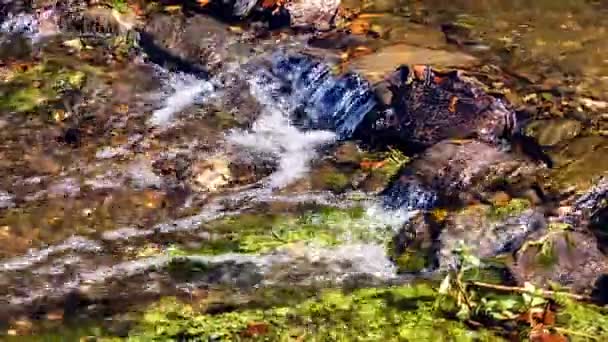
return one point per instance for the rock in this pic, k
(211, 174)
(568, 253)
(380, 64)
(589, 205)
(570, 259)
(413, 248)
(476, 228)
(579, 162)
(318, 14)
(428, 106)
(14, 46)
(451, 172)
(194, 45)
(553, 132)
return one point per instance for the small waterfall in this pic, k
(273, 134)
(337, 103)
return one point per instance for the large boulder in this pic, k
(482, 233)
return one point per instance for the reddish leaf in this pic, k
(255, 329)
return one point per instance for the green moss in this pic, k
(393, 314)
(413, 261)
(514, 207)
(27, 90)
(586, 322)
(261, 233)
(336, 181)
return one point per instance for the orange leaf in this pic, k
(368, 164)
(255, 329)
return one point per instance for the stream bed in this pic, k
(309, 170)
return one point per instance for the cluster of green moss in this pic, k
(584, 322)
(405, 313)
(260, 233)
(25, 90)
(513, 207)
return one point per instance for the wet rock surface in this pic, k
(451, 172)
(428, 107)
(567, 258)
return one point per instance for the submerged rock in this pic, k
(380, 64)
(428, 106)
(553, 132)
(194, 45)
(453, 171)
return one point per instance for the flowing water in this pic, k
(240, 170)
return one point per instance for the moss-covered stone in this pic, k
(514, 207)
(26, 89)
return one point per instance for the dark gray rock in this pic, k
(428, 106)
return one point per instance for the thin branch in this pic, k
(544, 293)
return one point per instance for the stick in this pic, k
(544, 293)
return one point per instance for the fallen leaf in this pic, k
(368, 164)
(255, 329)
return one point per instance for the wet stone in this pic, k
(453, 171)
(553, 132)
(428, 106)
(568, 258)
(476, 230)
(380, 64)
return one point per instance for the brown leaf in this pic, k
(255, 329)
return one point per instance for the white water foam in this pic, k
(181, 91)
(272, 134)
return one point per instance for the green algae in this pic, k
(26, 90)
(406, 313)
(262, 233)
(514, 207)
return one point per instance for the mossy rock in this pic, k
(26, 90)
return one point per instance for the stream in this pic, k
(152, 151)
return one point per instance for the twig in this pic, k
(574, 333)
(544, 293)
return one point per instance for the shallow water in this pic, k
(102, 197)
